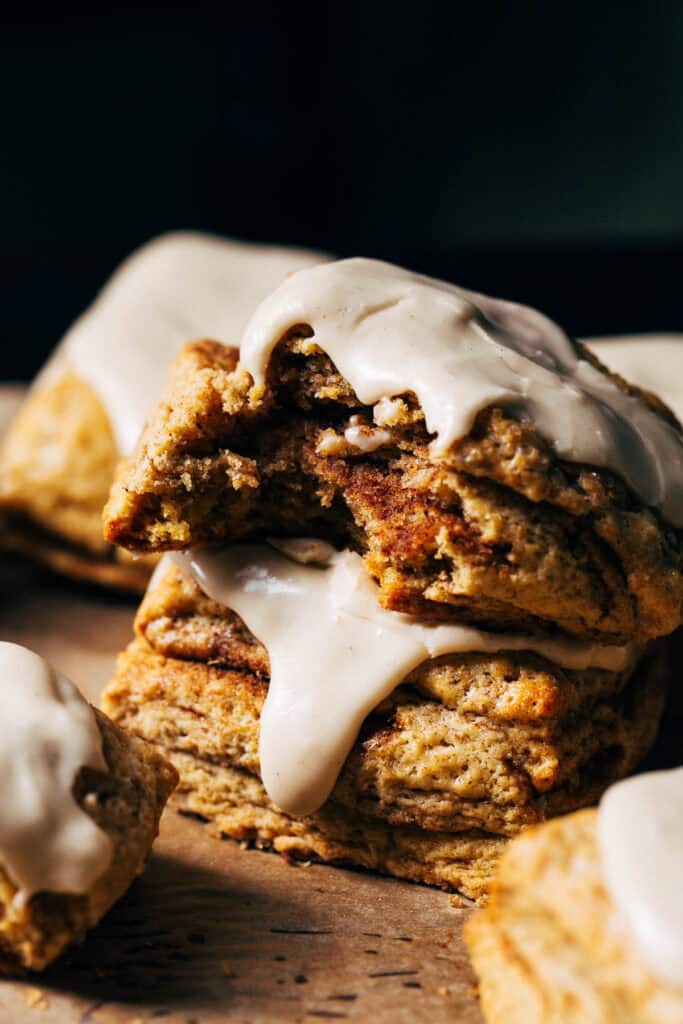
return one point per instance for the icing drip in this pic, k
(47, 843)
(179, 287)
(640, 834)
(389, 332)
(335, 654)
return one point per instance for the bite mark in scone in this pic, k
(498, 530)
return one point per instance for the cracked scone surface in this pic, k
(550, 947)
(127, 804)
(466, 752)
(499, 531)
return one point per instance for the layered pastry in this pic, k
(585, 920)
(415, 751)
(508, 478)
(468, 644)
(87, 407)
(81, 802)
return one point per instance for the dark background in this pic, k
(529, 150)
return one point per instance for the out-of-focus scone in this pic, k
(125, 802)
(551, 948)
(56, 468)
(88, 405)
(497, 530)
(654, 360)
(467, 751)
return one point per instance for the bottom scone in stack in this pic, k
(477, 651)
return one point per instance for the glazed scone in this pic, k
(497, 530)
(88, 405)
(654, 360)
(468, 750)
(63, 864)
(550, 946)
(454, 535)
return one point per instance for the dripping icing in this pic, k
(389, 332)
(47, 842)
(335, 654)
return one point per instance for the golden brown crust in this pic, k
(500, 531)
(456, 747)
(128, 803)
(58, 460)
(469, 743)
(234, 805)
(57, 464)
(550, 948)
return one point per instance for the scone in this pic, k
(554, 945)
(81, 808)
(88, 405)
(654, 360)
(468, 750)
(496, 529)
(430, 544)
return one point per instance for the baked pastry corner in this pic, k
(126, 803)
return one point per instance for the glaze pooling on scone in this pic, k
(177, 288)
(47, 843)
(640, 835)
(335, 654)
(390, 332)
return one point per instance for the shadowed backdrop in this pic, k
(532, 150)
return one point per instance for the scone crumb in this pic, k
(459, 902)
(35, 1000)
(331, 443)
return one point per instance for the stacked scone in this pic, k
(429, 546)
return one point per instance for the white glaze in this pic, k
(47, 843)
(335, 653)
(389, 332)
(179, 287)
(652, 361)
(640, 835)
